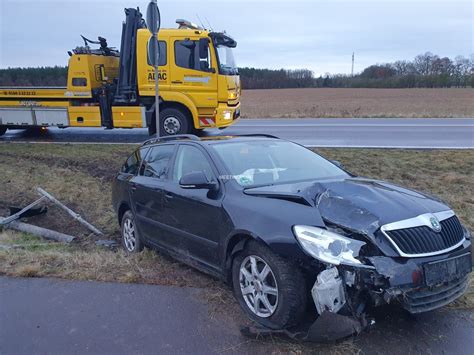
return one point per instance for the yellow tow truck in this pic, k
(199, 84)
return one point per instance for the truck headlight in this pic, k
(227, 115)
(329, 247)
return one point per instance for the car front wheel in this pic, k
(130, 240)
(270, 289)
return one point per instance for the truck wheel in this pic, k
(174, 121)
(270, 289)
(2, 130)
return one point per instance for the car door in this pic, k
(194, 217)
(192, 75)
(146, 192)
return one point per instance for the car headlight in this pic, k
(329, 247)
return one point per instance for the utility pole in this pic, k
(352, 70)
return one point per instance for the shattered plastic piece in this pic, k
(349, 278)
(327, 327)
(106, 243)
(328, 291)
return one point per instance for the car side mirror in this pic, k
(337, 163)
(197, 180)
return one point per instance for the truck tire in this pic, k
(174, 121)
(283, 287)
(2, 130)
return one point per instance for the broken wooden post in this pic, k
(39, 231)
(19, 213)
(73, 214)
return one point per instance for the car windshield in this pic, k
(268, 162)
(227, 64)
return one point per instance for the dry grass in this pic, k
(81, 175)
(326, 102)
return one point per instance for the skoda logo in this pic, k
(435, 225)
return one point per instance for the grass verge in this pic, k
(81, 175)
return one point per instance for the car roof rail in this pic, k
(257, 135)
(171, 138)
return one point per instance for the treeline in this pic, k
(43, 76)
(253, 78)
(425, 71)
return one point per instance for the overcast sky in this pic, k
(319, 35)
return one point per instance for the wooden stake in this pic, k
(73, 214)
(39, 231)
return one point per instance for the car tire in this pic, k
(131, 241)
(174, 121)
(3, 130)
(288, 306)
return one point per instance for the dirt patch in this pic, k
(328, 102)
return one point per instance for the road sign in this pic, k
(153, 21)
(153, 51)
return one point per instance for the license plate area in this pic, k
(447, 270)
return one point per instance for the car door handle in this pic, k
(169, 196)
(177, 82)
(133, 187)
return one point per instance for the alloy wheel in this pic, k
(128, 234)
(258, 286)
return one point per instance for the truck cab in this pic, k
(197, 76)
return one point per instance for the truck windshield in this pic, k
(227, 64)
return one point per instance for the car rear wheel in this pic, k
(130, 240)
(270, 289)
(2, 130)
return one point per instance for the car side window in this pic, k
(133, 162)
(189, 160)
(157, 161)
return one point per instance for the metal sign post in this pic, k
(153, 23)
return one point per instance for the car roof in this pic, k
(209, 139)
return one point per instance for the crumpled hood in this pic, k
(358, 204)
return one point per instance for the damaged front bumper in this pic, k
(342, 294)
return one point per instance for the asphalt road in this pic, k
(49, 316)
(334, 132)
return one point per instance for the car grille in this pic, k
(427, 299)
(422, 239)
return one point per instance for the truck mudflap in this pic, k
(328, 327)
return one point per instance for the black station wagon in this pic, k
(293, 233)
